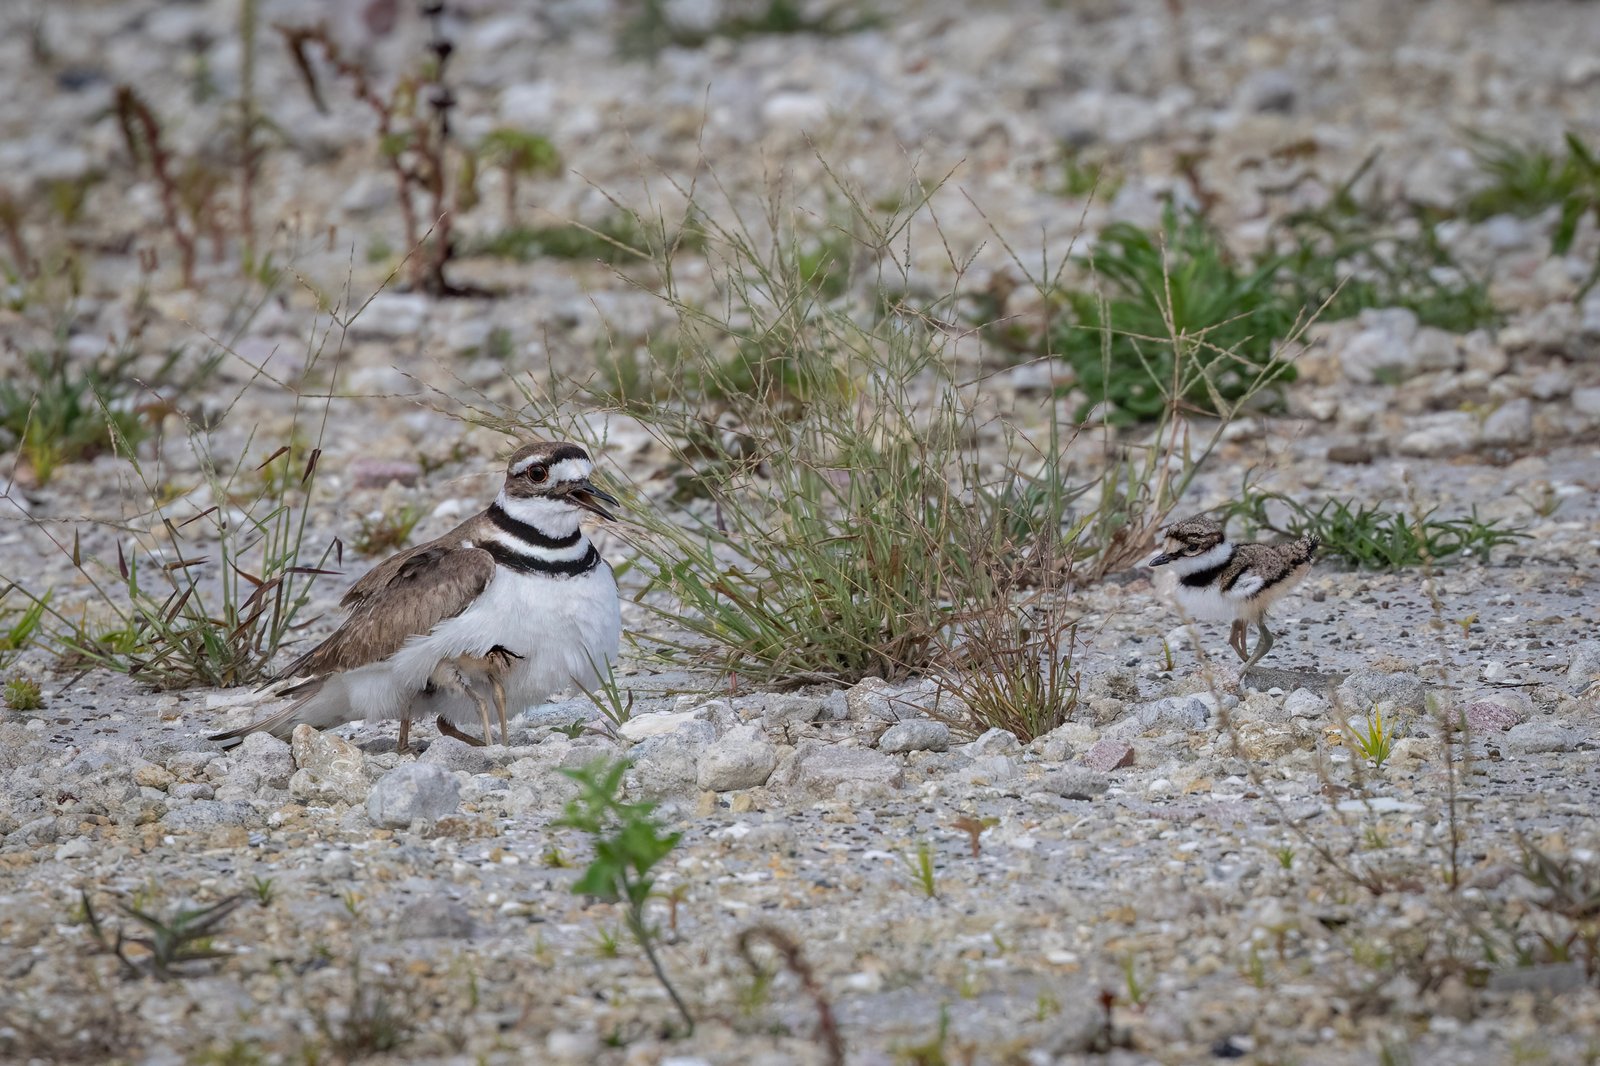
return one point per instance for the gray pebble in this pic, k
(413, 792)
(1530, 738)
(915, 734)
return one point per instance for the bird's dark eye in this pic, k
(536, 474)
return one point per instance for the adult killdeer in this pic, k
(1217, 579)
(514, 600)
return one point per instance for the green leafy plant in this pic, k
(1176, 317)
(1349, 255)
(23, 694)
(1526, 180)
(388, 532)
(265, 890)
(63, 410)
(1368, 537)
(18, 628)
(1373, 739)
(608, 695)
(615, 239)
(628, 843)
(1082, 175)
(172, 944)
(653, 28)
(921, 867)
(518, 154)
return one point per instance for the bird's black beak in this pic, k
(1162, 560)
(587, 496)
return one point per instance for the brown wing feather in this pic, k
(404, 597)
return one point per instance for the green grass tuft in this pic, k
(1368, 537)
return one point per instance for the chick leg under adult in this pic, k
(449, 675)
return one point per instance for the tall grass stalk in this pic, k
(210, 575)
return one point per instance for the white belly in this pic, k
(1206, 603)
(566, 630)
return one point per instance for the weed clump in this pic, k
(628, 842)
(1368, 537)
(1176, 317)
(23, 694)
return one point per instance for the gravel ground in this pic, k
(1174, 876)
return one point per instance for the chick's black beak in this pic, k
(586, 495)
(1163, 559)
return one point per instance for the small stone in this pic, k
(741, 759)
(1531, 738)
(76, 848)
(644, 726)
(452, 754)
(1107, 755)
(392, 316)
(211, 814)
(1378, 805)
(148, 775)
(331, 770)
(1365, 689)
(1586, 401)
(1075, 782)
(434, 917)
(915, 734)
(1583, 666)
(1489, 717)
(413, 792)
(1442, 433)
(376, 473)
(268, 757)
(821, 768)
(1352, 454)
(788, 709)
(992, 742)
(1179, 712)
(1548, 979)
(669, 764)
(1381, 351)
(572, 1046)
(1509, 424)
(1303, 703)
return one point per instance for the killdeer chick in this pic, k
(515, 600)
(1217, 579)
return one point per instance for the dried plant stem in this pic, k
(139, 127)
(785, 946)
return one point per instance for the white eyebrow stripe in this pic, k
(571, 470)
(565, 470)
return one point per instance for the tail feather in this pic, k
(321, 706)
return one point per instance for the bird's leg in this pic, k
(500, 659)
(1236, 639)
(499, 689)
(449, 675)
(1263, 645)
(446, 728)
(403, 745)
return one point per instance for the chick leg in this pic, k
(1263, 645)
(1236, 639)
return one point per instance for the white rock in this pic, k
(643, 726)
